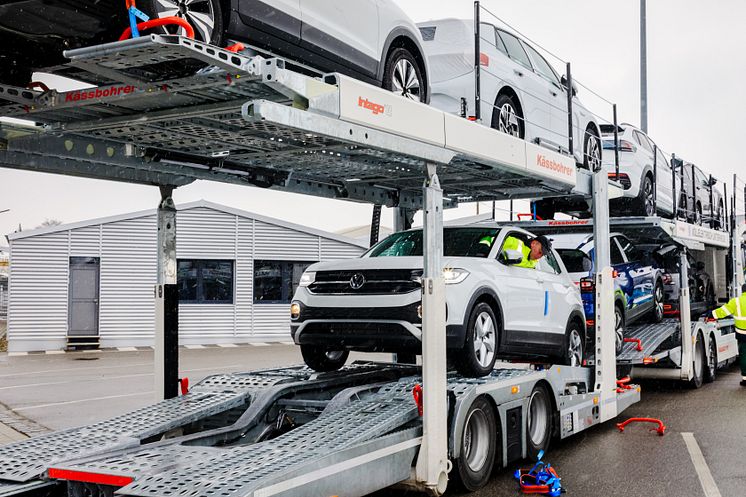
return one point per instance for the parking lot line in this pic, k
(227, 345)
(259, 344)
(700, 465)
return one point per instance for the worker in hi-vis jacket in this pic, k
(736, 308)
(531, 252)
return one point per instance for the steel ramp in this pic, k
(652, 337)
(28, 459)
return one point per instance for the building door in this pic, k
(83, 300)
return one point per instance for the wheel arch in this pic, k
(510, 92)
(555, 417)
(402, 37)
(490, 297)
(459, 421)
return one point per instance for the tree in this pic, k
(47, 223)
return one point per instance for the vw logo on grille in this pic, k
(357, 281)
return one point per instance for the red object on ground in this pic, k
(661, 427)
(163, 21)
(635, 340)
(236, 47)
(184, 384)
(87, 477)
(417, 394)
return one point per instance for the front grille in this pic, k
(404, 313)
(376, 282)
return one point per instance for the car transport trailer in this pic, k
(290, 431)
(661, 350)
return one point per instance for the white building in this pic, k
(92, 282)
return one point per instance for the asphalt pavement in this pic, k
(705, 439)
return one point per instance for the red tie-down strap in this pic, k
(661, 430)
(635, 340)
(162, 21)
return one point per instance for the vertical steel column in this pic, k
(477, 63)
(673, 187)
(643, 68)
(402, 219)
(694, 195)
(655, 180)
(431, 468)
(687, 369)
(712, 203)
(166, 302)
(375, 224)
(605, 350)
(616, 143)
(570, 139)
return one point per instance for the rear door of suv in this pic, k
(641, 278)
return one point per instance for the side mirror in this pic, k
(564, 84)
(712, 181)
(511, 257)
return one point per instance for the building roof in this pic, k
(183, 207)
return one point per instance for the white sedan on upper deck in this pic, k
(520, 92)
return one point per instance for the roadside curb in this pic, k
(11, 422)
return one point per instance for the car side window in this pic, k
(499, 43)
(515, 49)
(501, 254)
(549, 264)
(701, 177)
(633, 255)
(487, 34)
(616, 254)
(661, 160)
(542, 66)
(643, 140)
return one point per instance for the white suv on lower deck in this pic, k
(493, 306)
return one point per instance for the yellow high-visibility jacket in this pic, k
(513, 243)
(734, 308)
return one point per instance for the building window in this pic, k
(275, 281)
(205, 281)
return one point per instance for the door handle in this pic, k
(540, 280)
(518, 73)
(554, 93)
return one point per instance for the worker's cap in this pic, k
(546, 243)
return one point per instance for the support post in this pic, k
(712, 202)
(166, 302)
(616, 143)
(477, 63)
(674, 198)
(655, 180)
(570, 139)
(402, 219)
(431, 468)
(643, 68)
(605, 349)
(375, 224)
(685, 319)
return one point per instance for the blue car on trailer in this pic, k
(639, 289)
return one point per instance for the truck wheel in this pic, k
(539, 422)
(323, 360)
(712, 361)
(478, 446)
(699, 362)
(477, 358)
(574, 352)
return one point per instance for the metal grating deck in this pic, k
(28, 459)
(652, 336)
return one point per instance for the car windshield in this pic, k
(457, 242)
(576, 261)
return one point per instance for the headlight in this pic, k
(453, 276)
(294, 310)
(307, 278)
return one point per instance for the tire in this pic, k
(544, 209)
(698, 215)
(644, 204)
(406, 358)
(711, 368)
(482, 331)
(659, 296)
(591, 150)
(198, 13)
(322, 360)
(402, 75)
(507, 117)
(574, 346)
(479, 443)
(539, 422)
(618, 328)
(699, 363)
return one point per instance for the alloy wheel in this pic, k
(508, 120)
(575, 348)
(648, 197)
(200, 14)
(618, 328)
(484, 339)
(593, 153)
(405, 81)
(476, 441)
(658, 300)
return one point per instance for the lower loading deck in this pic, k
(289, 432)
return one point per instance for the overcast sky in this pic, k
(697, 98)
